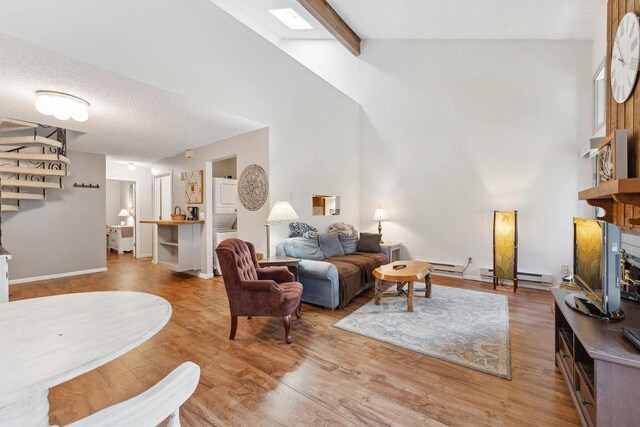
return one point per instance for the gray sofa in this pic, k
(321, 268)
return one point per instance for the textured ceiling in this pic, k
(128, 120)
(437, 19)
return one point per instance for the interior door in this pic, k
(162, 197)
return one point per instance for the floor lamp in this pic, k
(505, 247)
(281, 212)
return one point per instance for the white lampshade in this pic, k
(124, 213)
(380, 215)
(281, 211)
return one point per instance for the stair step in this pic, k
(30, 141)
(8, 125)
(33, 171)
(51, 158)
(8, 195)
(12, 182)
(9, 208)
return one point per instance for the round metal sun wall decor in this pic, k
(253, 187)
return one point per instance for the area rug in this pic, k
(464, 327)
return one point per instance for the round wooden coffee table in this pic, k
(414, 271)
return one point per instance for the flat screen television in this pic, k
(596, 268)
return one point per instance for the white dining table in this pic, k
(47, 341)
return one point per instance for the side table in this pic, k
(391, 250)
(282, 261)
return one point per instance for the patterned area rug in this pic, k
(469, 328)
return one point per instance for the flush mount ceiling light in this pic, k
(291, 19)
(131, 167)
(62, 106)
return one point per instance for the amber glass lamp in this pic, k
(505, 247)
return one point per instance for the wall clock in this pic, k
(624, 57)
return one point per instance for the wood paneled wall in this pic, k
(625, 115)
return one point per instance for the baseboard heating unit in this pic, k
(440, 268)
(544, 280)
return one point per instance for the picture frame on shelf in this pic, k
(612, 157)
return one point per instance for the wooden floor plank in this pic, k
(326, 377)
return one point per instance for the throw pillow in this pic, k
(369, 242)
(330, 245)
(297, 229)
(299, 247)
(349, 243)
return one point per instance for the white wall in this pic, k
(249, 148)
(144, 186)
(330, 60)
(587, 166)
(64, 233)
(313, 128)
(225, 168)
(112, 190)
(453, 130)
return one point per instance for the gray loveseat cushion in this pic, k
(318, 270)
(349, 243)
(330, 245)
(299, 247)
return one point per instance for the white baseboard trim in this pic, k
(200, 274)
(144, 256)
(521, 283)
(56, 276)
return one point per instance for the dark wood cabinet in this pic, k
(600, 366)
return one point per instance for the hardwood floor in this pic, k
(326, 377)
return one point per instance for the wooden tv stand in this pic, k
(600, 366)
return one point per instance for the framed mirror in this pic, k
(323, 205)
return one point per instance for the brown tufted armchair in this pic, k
(255, 291)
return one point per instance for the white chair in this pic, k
(150, 408)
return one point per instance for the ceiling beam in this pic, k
(329, 18)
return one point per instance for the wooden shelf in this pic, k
(169, 243)
(626, 191)
(170, 265)
(611, 189)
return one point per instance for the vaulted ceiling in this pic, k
(436, 19)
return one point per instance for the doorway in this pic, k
(121, 216)
(222, 203)
(162, 194)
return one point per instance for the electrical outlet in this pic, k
(565, 269)
(292, 196)
(470, 260)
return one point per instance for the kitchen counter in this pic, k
(177, 244)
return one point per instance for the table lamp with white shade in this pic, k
(380, 215)
(124, 214)
(281, 212)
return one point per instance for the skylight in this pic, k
(291, 19)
